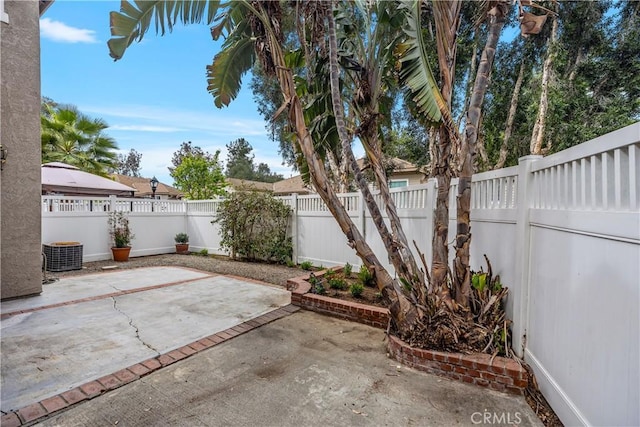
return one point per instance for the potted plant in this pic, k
(182, 243)
(121, 235)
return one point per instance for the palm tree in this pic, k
(71, 137)
(253, 33)
(256, 24)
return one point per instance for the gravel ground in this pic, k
(270, 273)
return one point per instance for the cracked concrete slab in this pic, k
(302, 370)
(91, 285)
(49, 351)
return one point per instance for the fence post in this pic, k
(523, 253)
(362, 219)
(112, 203)
(294, 227)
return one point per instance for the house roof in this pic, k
(399, 165)
(295, 184)
(44, 5)
(244, 184)
(63, 178)
(143, 186)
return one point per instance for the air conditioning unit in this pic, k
(63, 256)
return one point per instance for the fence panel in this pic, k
(563, 232)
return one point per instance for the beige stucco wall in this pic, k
(20, 259)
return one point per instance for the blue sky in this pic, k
(155, 97)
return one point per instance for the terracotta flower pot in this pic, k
(121, 254)
(182, 248)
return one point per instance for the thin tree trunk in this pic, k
(462, 270)
(387, 238)
(504, 148)
(337, 175)
(447, 19)
(537, 137)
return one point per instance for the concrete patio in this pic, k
(301, 369)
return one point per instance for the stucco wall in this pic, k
(20, 135)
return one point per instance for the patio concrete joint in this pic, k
(135, 328)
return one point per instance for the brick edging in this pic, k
(62, 401)
(300, 288)
(496, 373)
(499, 373)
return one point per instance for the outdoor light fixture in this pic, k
(154, 186)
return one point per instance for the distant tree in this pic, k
(240, 164)
(68, 136)
(129, 164)
(186, 150)
(263, 174)
(47, 102)
(240, 160)
(199, 177)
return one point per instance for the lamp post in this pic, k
(154, 185)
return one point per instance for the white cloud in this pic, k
(61, 32)
(143, 128)
(185, 120)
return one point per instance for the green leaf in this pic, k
(415, 71)
(134, 19)
(229, 65)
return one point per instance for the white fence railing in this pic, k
(563, 232)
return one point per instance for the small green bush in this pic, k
(290, 263)
(348, 268)
(329, 274)
(356, 290)
(254, 226)
(203, 252)
(181, 238)
(337, 283)
(319, 289)
(366, 277)
(306, 265)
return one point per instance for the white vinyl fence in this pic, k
(563, 232)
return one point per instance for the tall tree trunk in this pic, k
(338, 110)
(447, 20)
(462, 271)
(537, 137)
(504, 148)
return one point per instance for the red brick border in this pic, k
(377, 317)
(53, 404)
(501, 374)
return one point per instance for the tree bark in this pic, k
(447, 20)
(462, 270)
(504, 148)
(390, 243)
(537, 137)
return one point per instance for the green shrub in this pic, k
(366, 277)
(337, 283)
(290, 263)
(181, 238)
(254, 226)
(203, 252)
(348, 268)
(356, 290)
(306, 265)
(329, 274)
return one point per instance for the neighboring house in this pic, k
(143, 190)
(290, 186)
(236, 184)
(20, 186)
(66, 180)
(403, 173)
